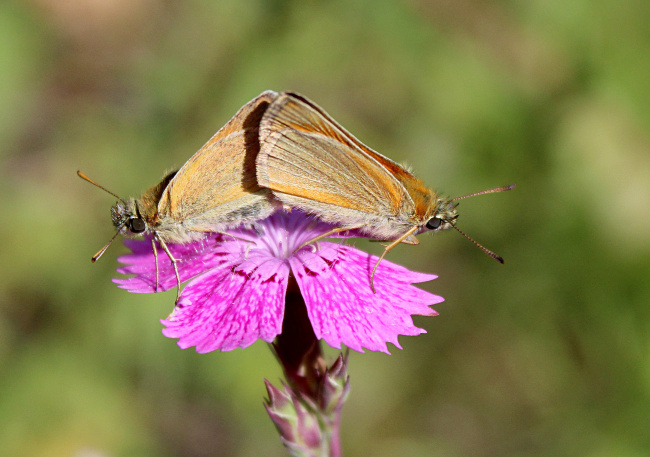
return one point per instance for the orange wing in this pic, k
(217, 185)
(306, 154)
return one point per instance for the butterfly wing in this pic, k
(311, 162)
(217, 186)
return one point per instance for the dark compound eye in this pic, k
(434, 223)
(137, 225)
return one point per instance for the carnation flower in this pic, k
(238, 286)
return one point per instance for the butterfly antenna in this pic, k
(102, 250)
(96, 257)
(480, 246)
(489, 191)
(86, 178)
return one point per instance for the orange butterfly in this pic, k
(215, 190)
(312, 163)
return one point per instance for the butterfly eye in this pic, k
(434, 223)
(137, 225)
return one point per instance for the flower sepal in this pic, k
(298, 421)
(309, 425)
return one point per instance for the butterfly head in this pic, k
(127, 219)
(444, 217)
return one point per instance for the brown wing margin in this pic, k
(306, 153)
(223, 170)
(397, 170)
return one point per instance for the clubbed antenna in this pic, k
(83, 176)
(102, 250)
(489, 191)
(480, 246)
(96, 257)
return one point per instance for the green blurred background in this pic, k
(545, 356)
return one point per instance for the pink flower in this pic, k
(237, 287)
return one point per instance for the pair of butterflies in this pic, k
(282, 149)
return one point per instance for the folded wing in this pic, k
(218, 184)
(306, 154)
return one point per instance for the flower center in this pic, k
(282, 233)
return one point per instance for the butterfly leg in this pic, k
(249, 243)
(325, 235)
(387, 249)
(238, 238)
(155, 256)
(209, 230)
(175, 265)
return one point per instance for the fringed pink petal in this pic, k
(231, 307)
(335, 282)
(193, 259)
(238, 286)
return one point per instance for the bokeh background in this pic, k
(544, 356)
